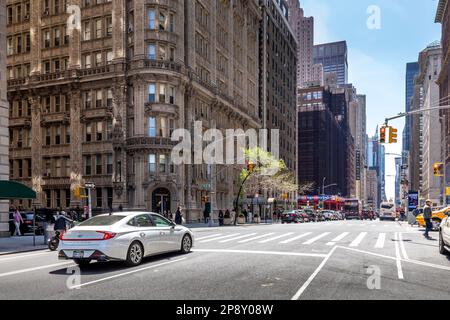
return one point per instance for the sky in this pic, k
(378, 56)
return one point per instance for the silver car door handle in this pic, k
(142, 235)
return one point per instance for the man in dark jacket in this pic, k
(427, 214)
(178, 216)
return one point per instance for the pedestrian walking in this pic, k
(221, 216)
(17, 222)
(178, 216)
(427, 214)
(205, 216)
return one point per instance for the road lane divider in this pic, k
(402, 246)
(125, 274)
(398, 258)
(381, 241)
(338, 238)
(256, 238)
(219, 238)
(238, 238)
(13, 273)
(276, 238)
(311, 241)
(210, 236)
(358, 239)
(296, 238)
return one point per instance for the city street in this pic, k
(328, 260)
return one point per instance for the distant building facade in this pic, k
(334, 58)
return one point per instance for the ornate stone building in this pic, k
(4, 151)
(99, 103)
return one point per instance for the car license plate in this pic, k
(78, 254)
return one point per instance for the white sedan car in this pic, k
(124, 236)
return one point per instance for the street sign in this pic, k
(89, 185)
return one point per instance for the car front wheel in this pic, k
(135, 254)
(186, 244)
(442, 249)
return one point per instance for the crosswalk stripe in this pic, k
(338, 238)
(238, 238)
(381, 240)
(210, 236)
(220, 238)
(256, 238)
(276, 238)
(358, 239)
(311, 241)
(295, 238)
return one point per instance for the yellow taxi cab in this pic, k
(437, 217)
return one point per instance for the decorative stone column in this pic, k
(76, 139)
(36, 148)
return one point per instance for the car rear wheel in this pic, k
(135, 254)
(442, 249)
(186, 244)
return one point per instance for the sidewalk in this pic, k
(20, 244)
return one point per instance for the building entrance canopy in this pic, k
(10, 190)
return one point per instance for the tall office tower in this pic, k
(334, 58)
(99, 104)
(303, 28)
(4, 114)
(412, 69)
(278, 77)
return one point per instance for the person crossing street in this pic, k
(427, 214)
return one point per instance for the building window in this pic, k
(162, 93)
(99, 131)
(109, 26)
(98, 164)
(151, 19)
(152, 163)
(58, 135)
(162, 21)
(152, 127)
(109, 99)
(162, 163)
(88, 165)
(152, 52)
(99, 197)
(109, 164)
(98, 29)
(88, 132)
(99, 99)
(87, 61)
(87, 30)
(152, 93)
(87, 100)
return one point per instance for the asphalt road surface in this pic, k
(330, 260)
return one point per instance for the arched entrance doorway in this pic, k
(161, 200)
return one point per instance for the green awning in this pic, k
(10, 190)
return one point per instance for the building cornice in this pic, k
(442, 7)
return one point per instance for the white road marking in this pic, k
(256, 238)
(296, 238)
(402, 246)
(220, 238)
(311, 241)
(2, 275)
(210, 236)
(14, 257)
(358, 239)
(126, 273)
(315, 273)
(338, 238)
(381, 241)
(368, 252)
(398, 258)
(238, 238)
(274, 253)
(276, 238)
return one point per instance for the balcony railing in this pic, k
(148, 142)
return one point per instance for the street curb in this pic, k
(22, 251)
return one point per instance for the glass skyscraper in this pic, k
(412, 69)
(334, 58)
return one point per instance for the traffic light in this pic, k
(250, 167)
(438, 169)
(383, 135)
(393, 135)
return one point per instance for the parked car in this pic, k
(436, 219)
(303, 215)
(367, 215)
(27, 226)
(124, 236)
(290, 216)
(444, 235)
(311, 215)
(328, 215)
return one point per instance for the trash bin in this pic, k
(49, 232)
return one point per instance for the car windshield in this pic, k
(101, 221)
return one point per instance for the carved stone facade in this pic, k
(99, 104)
(4, 139)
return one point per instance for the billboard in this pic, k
(413, 200)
